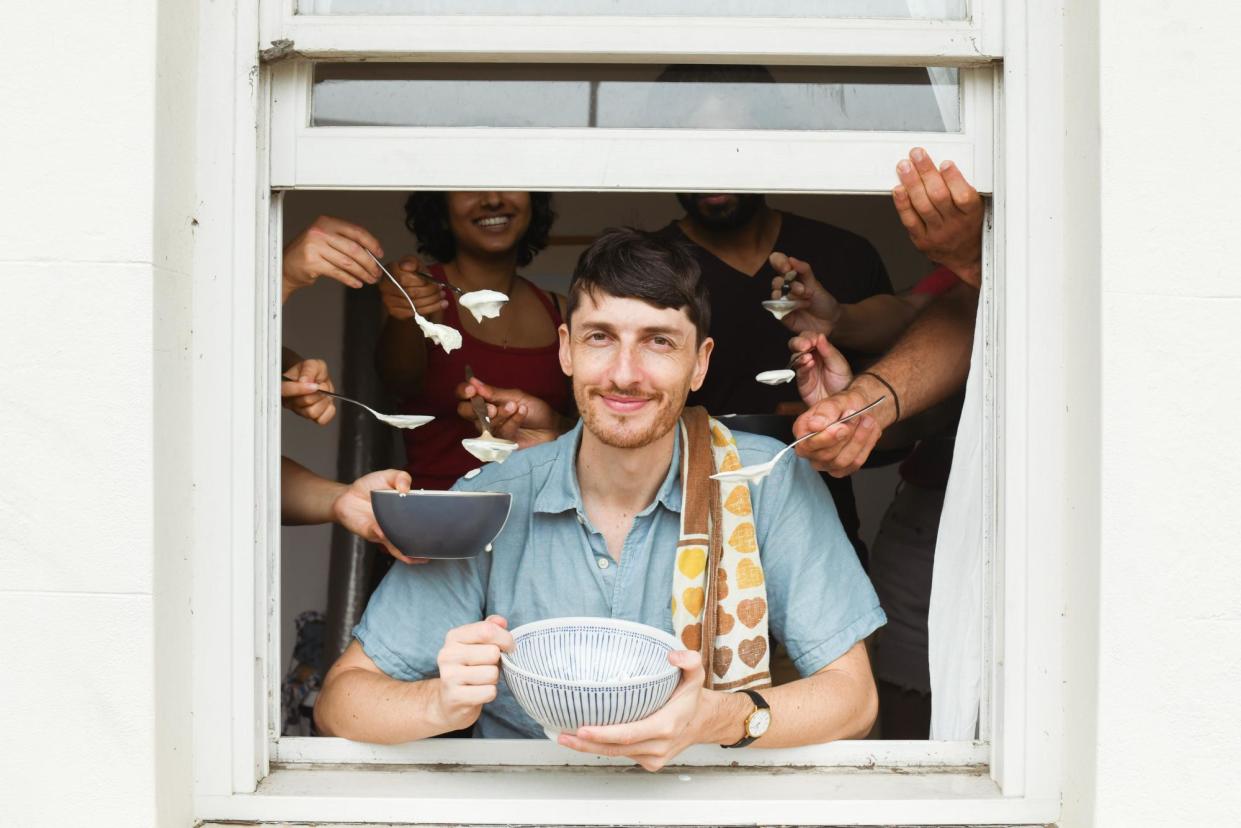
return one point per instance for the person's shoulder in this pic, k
(822, 232)
(523, 471)
(756, 448)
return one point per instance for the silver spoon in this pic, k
(482, 304)
(485, 447)
(760, 470)
(398, 420)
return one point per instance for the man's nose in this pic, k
(627, 368)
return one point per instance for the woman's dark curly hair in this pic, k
(426, 216)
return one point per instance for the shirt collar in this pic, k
(560, 491)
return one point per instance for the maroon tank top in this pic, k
(433, 452)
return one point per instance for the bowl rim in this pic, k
(598, 621)
(440, 493)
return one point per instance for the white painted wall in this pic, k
(1169, 620)
(96, 153)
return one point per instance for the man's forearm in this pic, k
(366, 706)
(874, 323)
(932, 359)
(305, 497)
(831, 704)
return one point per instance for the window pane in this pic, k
(904, 9)
(903, 99)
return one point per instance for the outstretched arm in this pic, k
(361, 702)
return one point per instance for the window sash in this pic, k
(769, 161)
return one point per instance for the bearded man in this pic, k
(603, 523)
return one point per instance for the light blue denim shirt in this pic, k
(549, 561)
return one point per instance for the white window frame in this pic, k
(1011, 776)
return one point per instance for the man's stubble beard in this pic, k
(669, 411)
(747, 206)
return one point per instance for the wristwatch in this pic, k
(756, 723)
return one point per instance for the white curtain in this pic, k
(955, 619)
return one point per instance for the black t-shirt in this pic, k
(748, 339)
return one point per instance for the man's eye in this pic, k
(661, 342)
(597, 336)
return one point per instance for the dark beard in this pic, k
(726, 217)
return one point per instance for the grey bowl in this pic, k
(442, 525)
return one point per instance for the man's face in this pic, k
(632, 366)
(721, 211)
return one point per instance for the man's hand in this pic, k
(820, 310)
(842, 449)
(302, 397)
(334, 248)
(469, 665)
(821, 369)
(515, 415)
(656, 740)
(353, 511)
(428, 295)
(942, 212)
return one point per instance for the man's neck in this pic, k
(470, 271)
(743, 248)
(617, 484)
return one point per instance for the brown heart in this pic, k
(751, 611)
(721, 584)
(723, 657)
(691, 637)
(751, 650)
(723, 621)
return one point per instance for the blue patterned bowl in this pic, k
(570, 672)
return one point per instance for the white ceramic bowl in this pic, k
(570, 672)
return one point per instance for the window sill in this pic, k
(589, 795)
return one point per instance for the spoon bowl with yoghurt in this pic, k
(445, 336)
(758, 471)
(397, 420)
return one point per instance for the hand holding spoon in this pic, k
(760, 470)
(782, 307)
(482, 304)
(485, 447)
(398, 420)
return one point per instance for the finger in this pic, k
(472, 675)
(347, 259)
(396, 553)
(779, 263)
(472, 695)
(857, 449)
(327, 414)
(932, 182)
(831, 358)
(297, 389)
(964, 196)
(490, 631)
(359, 235)
(650, 747)
(470, 654)
(402, 482)
(905, 211)
(917, 194)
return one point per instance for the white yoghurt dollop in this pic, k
(780, 308)
(446, 337)
(778, 377)
(489, 449)
(405, 420)
(483, 304)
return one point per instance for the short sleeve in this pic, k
(414, 607)
(821, 602)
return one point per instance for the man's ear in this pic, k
(701, 361)
(566, 353)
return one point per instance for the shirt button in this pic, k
(581, 519)
(604, 563)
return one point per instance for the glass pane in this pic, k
(909, 99)
(904, 9)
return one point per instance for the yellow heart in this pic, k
(744, 540)
(718, 438)
(674, 605)
(692, 562)
(692, 599)
(748, 574)
(739, 501)
(731, 462)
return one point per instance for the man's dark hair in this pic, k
(634, 264)
(426, 216)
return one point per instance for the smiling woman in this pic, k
(477, 240)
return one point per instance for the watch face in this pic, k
(758, 722)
